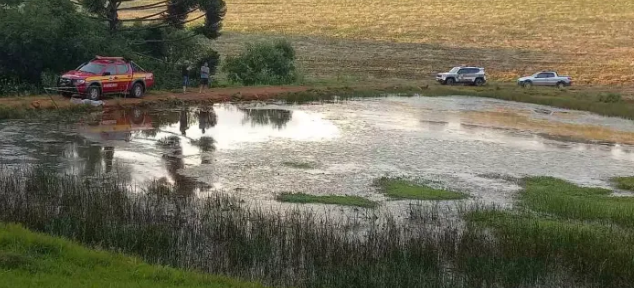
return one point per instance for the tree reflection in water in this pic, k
(263, 117)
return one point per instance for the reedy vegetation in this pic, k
(305, 249)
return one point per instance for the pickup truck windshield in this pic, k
(92, 68)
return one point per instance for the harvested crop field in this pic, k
(587, 39)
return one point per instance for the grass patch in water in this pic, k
(404, 189)
(538, 243)
(625, 183)
(29, 259)
(569, 201)
(329, 199)
(299, 165)
(300, 248)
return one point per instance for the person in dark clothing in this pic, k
(185, 74)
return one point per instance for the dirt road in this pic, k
(215, 94)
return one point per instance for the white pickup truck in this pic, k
(545, 78)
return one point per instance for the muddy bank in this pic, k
(577, 98)
(212, 95)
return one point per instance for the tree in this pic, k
(38, 36)
(161, 13)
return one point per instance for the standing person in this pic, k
(185, 74)
(204, 77)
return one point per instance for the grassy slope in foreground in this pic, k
(29, 259)
(330, 199)
(403, 189)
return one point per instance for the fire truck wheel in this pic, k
(137, 90)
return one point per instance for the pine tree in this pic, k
(160, 13)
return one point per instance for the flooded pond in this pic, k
(257, 150)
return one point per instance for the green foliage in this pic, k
(41, 39)
(570, 201)
(329, 199)
(175, 14)
(625, 183)
(403, 189)
(297, 248)
(599, 253)
(30, 259)
(40, 36)
(610, 98)
(263, 63)
(215, 11)
(572, 224)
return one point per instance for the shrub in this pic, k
(263, 63)
(610, 98)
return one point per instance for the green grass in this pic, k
(29, 259)
(569, 201)
(599, 252)
(537, 246)
(298, 165)
(403, 189)
(330, 199)
(573, 224)
(625, 183)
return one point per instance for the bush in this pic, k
(31, 59)
(263, 63)
(47, 36)
(610, 98)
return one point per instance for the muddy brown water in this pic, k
(257, 150)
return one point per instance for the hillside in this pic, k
(588, 39)
(30, 259)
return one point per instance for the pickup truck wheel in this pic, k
(478, 82)
(94, 93)
(561, 85)
(137, 90)
(450, 81)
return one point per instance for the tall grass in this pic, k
(300, 248)
(567, 200)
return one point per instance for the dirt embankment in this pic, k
(215, 94)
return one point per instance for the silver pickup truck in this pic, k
(545, 78)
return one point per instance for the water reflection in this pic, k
(264, 117)
(160, 144)
(207, 118)
(454, 128)
(235, 146)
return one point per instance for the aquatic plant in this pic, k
(304, 198)
(399, 188)
(302, 248)
(625, 183)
